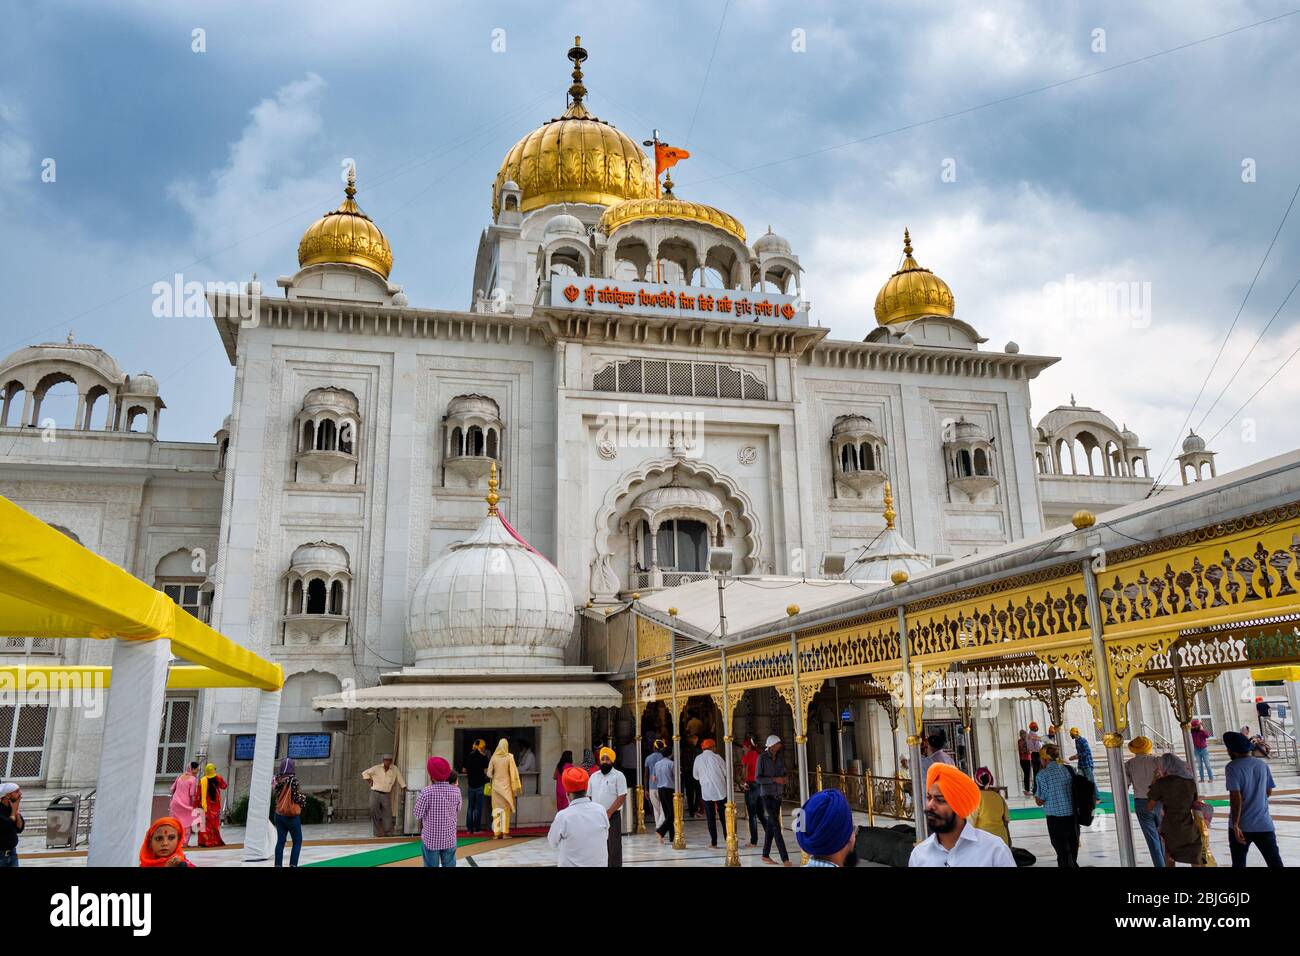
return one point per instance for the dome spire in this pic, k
(907, 243)
(492, 496)
(351, 190)
(577, 91)
(889, 513)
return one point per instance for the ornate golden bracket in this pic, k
(1128, 657)
(1125, 659)
(1167, 687)
(1044, 696)
(924, 681)
(807, 690)
(1078, 664)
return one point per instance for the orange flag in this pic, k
(666, 156)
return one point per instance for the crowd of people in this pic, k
(967, 818)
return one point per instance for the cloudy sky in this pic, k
(1096, 180)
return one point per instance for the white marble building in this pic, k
(649, 383)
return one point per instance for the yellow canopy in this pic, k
(51, 586)
(1290, 672)
(42, 678)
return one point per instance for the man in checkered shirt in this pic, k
(437, 808)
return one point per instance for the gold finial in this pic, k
(668, 186)
(907, 243)
(889, 512)
(1083, 519)
(577, 54)
(899, 576)
(792, 609)
(636, 595)
(672, 612)
(492, 496)
(351, 189)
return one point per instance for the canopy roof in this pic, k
(473, 696)
(51, 586)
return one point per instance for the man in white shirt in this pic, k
(580, 831)
(382, 777)
(711, 771)
(608, 788)
(951, 797)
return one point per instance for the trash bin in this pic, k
(61, 821)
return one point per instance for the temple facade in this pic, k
(641, 381)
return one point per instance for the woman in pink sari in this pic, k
(561, 795)
(185, 799)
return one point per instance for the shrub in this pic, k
(312, 812)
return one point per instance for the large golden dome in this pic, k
(912, 292)
(346, 235)
(575, 158)
(669, 207)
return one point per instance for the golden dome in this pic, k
(575, 158)
(669, 207)
(346, 235)
(912, 292)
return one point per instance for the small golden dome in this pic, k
(912, 292)
(346, 235)
(669, 207)
(575, 158)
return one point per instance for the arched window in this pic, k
(295, 598)
(308, 436)
(135, 413)
(681, 544)
(981, 462)
(457, 443)
(964, 468)
(849, 458)
(336, 597)
(327, 436)
(315, 596)
(13, 400)
(474, 441)
(492, 443)
(345, 438)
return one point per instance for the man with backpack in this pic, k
(1054, 791)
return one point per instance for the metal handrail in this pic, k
(1159, 739)
(871, 794)
(1287, 745)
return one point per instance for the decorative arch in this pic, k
(751, 531)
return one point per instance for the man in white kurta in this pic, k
(711, 771)
(580, 832)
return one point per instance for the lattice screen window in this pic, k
(698, 379)
(174, 740)
(22, 741)
(29, 645)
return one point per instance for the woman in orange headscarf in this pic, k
(162, 844)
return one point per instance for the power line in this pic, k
(707, 70)
(1259, 338)
(1008, 99)
(1222, 345)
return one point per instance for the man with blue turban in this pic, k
(826, 831)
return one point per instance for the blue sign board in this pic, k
(309, 746)
(847, 716)
(244, 746)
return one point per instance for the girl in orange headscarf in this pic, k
(162, 844)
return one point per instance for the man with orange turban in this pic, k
(607, 788)
(710, 771)
(951, 797)
(580, 832)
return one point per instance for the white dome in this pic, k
(963, 430)
(76, 352)
(564, 225)
(854, 425)
(1193, 443)
(319, 556)
(770, 244)
(490, 604)
(1130, 437)
(678, 498)
(888, 553)
(142, 384)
